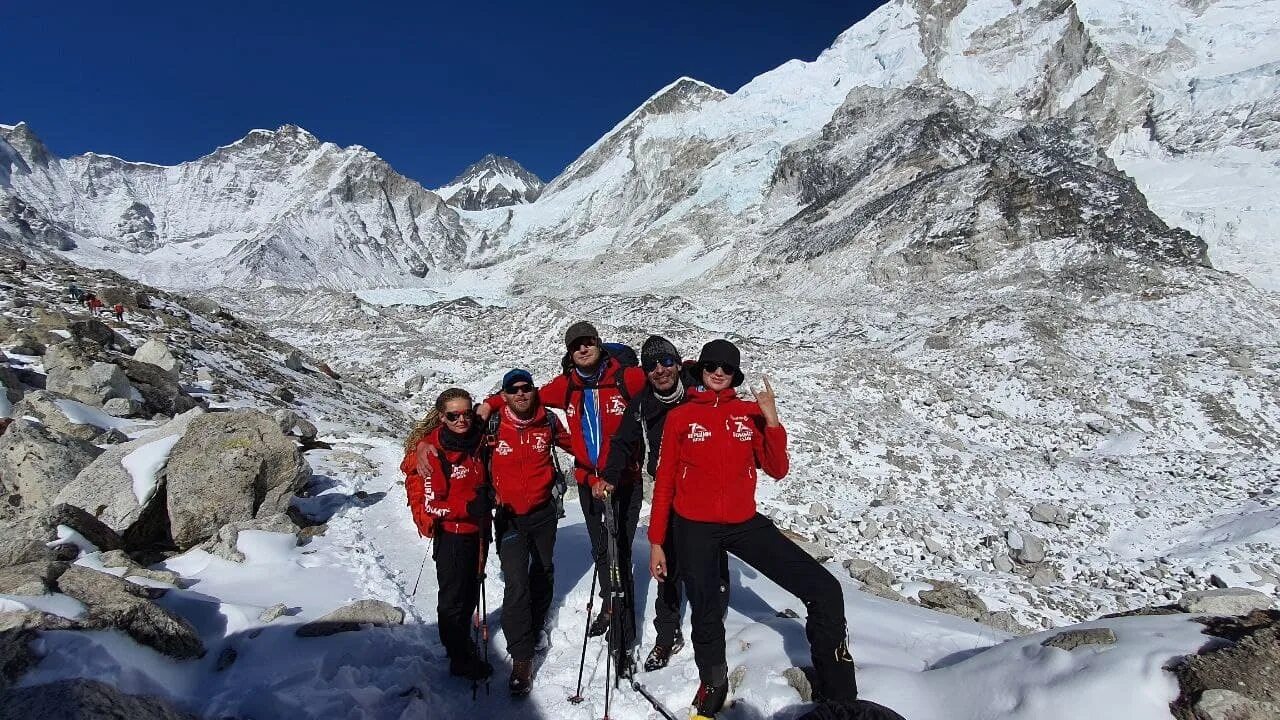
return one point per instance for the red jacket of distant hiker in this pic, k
(711, 448)
(432, 496)
(565, 392)
(520, 461)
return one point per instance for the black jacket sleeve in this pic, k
(625, 446)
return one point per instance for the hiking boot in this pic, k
(521, 682)
(710, 699)
(661, 654)
(469, 666)
(627, 667)
(600, 626)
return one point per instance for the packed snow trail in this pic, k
(926, 665)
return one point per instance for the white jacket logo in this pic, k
(539, 443)
(459, 472)
(502, 448)
(617, 406)
(741, 430)
(697, 433)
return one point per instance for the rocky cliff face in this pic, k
(493, 182)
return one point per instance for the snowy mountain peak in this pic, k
(495, 181)
(27, 144)
(683, 94)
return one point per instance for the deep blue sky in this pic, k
(431, 87)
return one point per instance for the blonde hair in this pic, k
(433, 418)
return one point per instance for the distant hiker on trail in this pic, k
(92, 302)
(22, 265)
(118, 310)
(445, 483)
(593, 391)
(711, 447)
(639, 434)
(522, 436)
(77, 295)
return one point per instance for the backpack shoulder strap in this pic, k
(619, 380)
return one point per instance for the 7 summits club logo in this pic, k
(502, 448)
(698, 433)
(617, 406)
(740, 428)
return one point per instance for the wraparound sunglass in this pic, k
(518, 389)
(711, 366)
(455, 416)
(665, 361)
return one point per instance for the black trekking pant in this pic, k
(666, 604)
(525, 547)
(626, 511)
(457, 557)
(760, 544)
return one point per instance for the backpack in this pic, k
(623, 353)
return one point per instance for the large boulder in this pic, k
(93, 384)
(230, 467)
(98, 332)
(158, 389)
(24, 342)
(64, 415)
(1245, 661)
(953, 599)
(32, 578)
(107, 488)
(361, 613)
(120, 604)
(1225, 601)
(36, 463)
(81, 699)
(157, 353)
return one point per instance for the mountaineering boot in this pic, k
(469, 666)
(600, 625)
(521, 682)
(661, 654)
(710, 699)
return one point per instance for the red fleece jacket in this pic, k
(431, 495)
(521, 461)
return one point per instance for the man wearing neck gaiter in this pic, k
(641, 433)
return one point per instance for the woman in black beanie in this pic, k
(711, 447)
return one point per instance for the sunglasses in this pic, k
(518, 389)
(665, 361)
(580, 343)
(456, 416)
(711, 366)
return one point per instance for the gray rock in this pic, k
(105, 488)
(819, 511)
(799, 681)
(35, 462)
(83, 700)
(286, 418)
(33, 620)
(159, 392)
(305, 429)
(936, 342)
(43, 406)
(950, 598)
(1248, 664)
(79, 520)
(230, 467)
(870, 529)
(1072, 639)
(414, 384)
(353, 617)
(16, 656)
(934, 547)
(223, 543)
(1002, 562)
(293, 360)
(33, 578)
(120, 407)
(113, 602)
(273, 612)
(16, 549)
(1219, 704)
(1050, 514)
(1044, 576)
(1003, 620)
(92, 385)
(156, 353)
(95, 331)
(867, 572)
(24, 342)
(1228, 601)
(1025, 547)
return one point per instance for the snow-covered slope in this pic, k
(492, 182)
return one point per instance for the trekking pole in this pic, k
(613, 638)
(591, 598)
(414, 595)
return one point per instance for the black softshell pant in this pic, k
(666, 604)
(760, 544)
(627, 499)
(526, 544)
(457, 557)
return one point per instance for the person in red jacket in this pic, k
(118, 310)
(594, 391)
(445, 483)
(524, 473)
(711, 448)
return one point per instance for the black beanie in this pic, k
(656, 348)
(723, 351)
